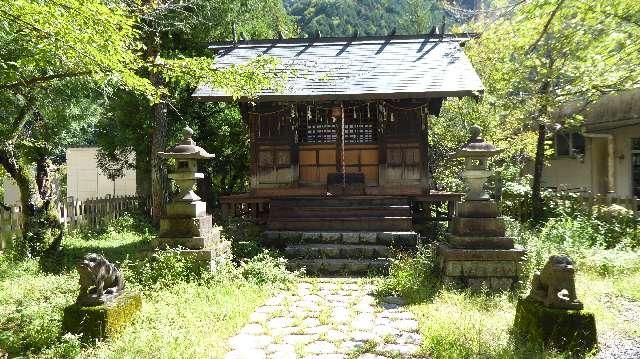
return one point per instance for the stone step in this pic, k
(330, 250)
(391, 238)
(340, 266)
(371, 224)
(339, 211)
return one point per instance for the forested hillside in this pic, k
(369, 17)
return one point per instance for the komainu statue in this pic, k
(100, 281)
(555, 286)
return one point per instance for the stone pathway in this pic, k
(328, 319)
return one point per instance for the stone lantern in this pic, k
(476, 156)
(187, 225)
(477, 252)
(186, 154)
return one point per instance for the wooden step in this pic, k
(340, 266)
(339, 211)
(371, 224)
(331, 250)
(394, 239)
(352, 201)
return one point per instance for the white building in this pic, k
(604, 157)
(84, 179)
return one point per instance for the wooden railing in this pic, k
(242, 205)
(433, 207)
(89, 213)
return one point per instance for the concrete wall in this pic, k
(84, 179)
(568, 173)
(11, 192)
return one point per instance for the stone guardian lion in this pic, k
(555, 286)
(100, 281)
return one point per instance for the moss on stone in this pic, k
(565, 330)
(104, 321)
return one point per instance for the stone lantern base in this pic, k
(193, 236)
(477, 253)
(494, 269)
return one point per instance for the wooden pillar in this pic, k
(338, 114)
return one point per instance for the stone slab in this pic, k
(477, 209)
(480, 268)
(103, 321)
(480, 242)
(189, 243)
(186, 209)
(187, 227)
(446, 252)
(478, 227)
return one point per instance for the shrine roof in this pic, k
(356, 68)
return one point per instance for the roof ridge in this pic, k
(459, 37)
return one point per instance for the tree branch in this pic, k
(40, 79)
(545, 28)
(21, 118)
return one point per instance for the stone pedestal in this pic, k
(495, 269)
(103, 321)
(477, 253)
(561, 329)
(192, 232)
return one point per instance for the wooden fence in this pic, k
(89, 213)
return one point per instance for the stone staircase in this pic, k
(340, 235)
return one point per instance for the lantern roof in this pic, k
(186, 149)
(477, 146)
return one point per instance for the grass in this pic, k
(461, 324)
(184, 314)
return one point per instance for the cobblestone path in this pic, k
(327, 319)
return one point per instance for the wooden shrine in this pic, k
(350, 120)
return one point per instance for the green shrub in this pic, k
(267, 268)
(244, 235)
(164, 269)
(582, 240)
(411, 276)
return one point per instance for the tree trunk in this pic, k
(537, 205)
(158, 144)
(41, 229)
(158, 138)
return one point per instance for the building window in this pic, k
(568, 144)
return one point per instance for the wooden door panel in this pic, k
(265, 159)
(370, 175)
(307, 157)
(326, 157)
(403, 163)
(411, 156)
(351, 157)
(308, 174)
(274, 165)
(283, 159)
(323, 171)
(369, 157)
(394, 157)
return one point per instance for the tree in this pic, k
(176, 29)
(53, 54)
(546, 53)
